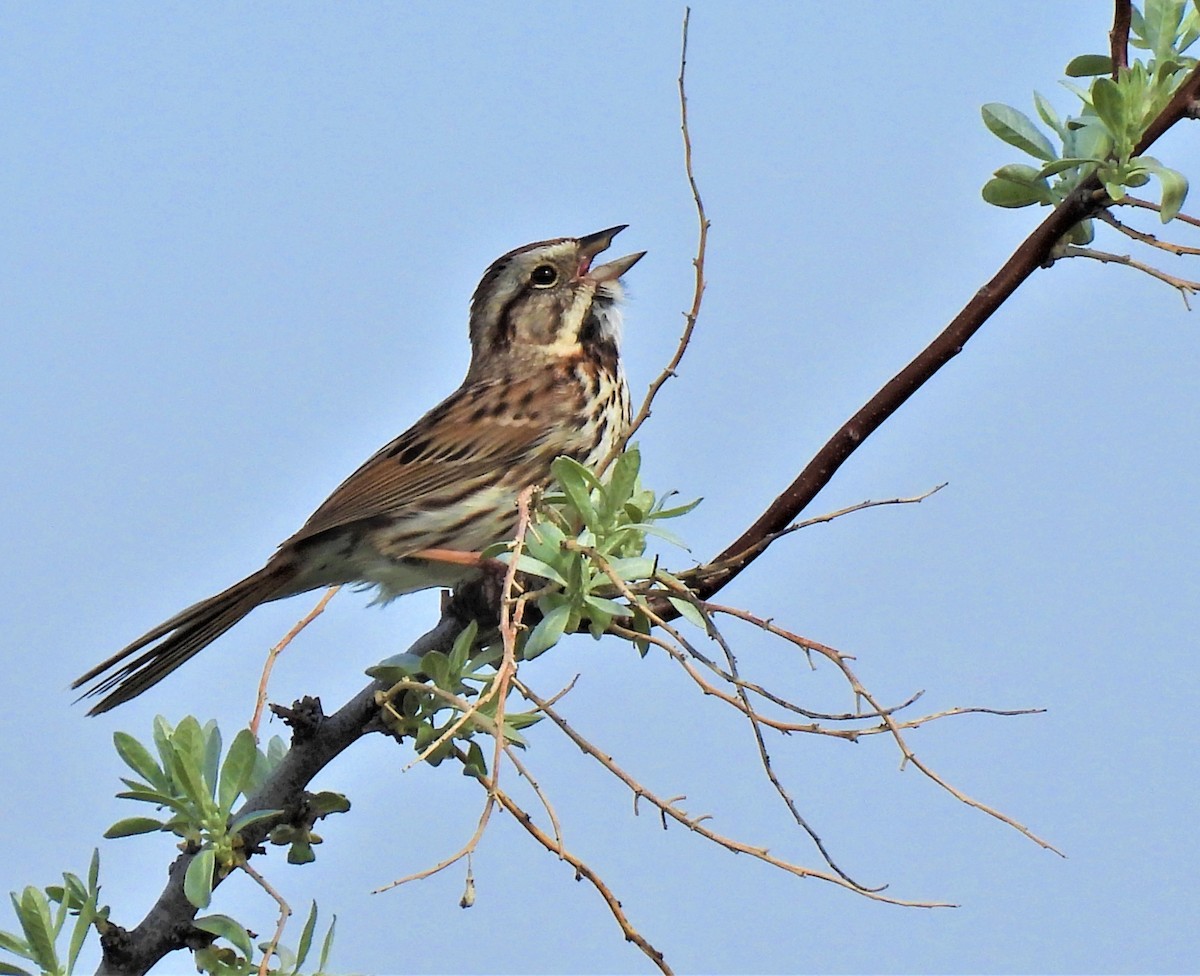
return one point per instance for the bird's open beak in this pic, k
(593, 244)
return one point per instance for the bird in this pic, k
(545, 379)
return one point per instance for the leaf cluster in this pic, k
(238, 958)
(199, 789)
(43, 914)
(1115, 113)
(463, 675)
(582, 536)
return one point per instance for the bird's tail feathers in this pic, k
(173, 642)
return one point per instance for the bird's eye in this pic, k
(543, 276)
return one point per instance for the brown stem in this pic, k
(1118, 37)
(1035, 252)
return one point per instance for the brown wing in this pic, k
(487, 428)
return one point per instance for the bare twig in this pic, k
(260, 699)
(693, 313)
(1137, 202)
(668, 809)
(1185, 286)
(1144, 238)
(555, 846)
(840, 660)
(285, 912)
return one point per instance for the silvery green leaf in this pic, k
(237, 769)
(197, 882)
(528, 564)
(33, 911)
(244, 821)
(1060, 165)
(14, 944)
(310, 925)
(1086, 65)
(232, 931)
(137, 757)
(689, 611)
(1015, 128)
(631, 568)
(548, 631)
(132, 826)
(1047, 113)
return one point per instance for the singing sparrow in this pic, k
(545, 380)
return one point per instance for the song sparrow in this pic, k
(545, 379)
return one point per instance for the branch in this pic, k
(1035, 252)
(316, 740)
(1118, 37)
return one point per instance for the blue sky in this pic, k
(239, 243)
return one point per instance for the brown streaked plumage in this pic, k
(545, 379)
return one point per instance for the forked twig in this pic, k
(1183, 285)
(695, 824)
(839, 659)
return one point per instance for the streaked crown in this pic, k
(546, 300)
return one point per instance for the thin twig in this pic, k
(1144, 238)
(285, 912)
(693, 313)
(555, 846)
(1137, 202)
(1183, 285)
(260, 699)
(909, 756)
(695, 824)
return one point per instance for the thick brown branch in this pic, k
(1035, 252)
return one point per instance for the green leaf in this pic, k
(198, 881)
(690, 612)
(301, 852)
(14, 944)
(158, 799)
(678, 510)
(79, 932)
(306, 937)
(577, 483)
(632, 568)
(237, 769)
(254, 816)
(1016, 129)
(1005, 193)
(1086, 65)
(131, 826)
(8, 969)
(212, 756)
(137, 757)
(548, 631)
(327, 802)
(229, 929)
(398, 667)
(326, 946)
(529, 564)
(1160, 25)
(622, 481)
(1047, 114)
(1060, 165)
(461, 651)
(1174, 187)
(34, 915)
(605, 606)
(1108, 100)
